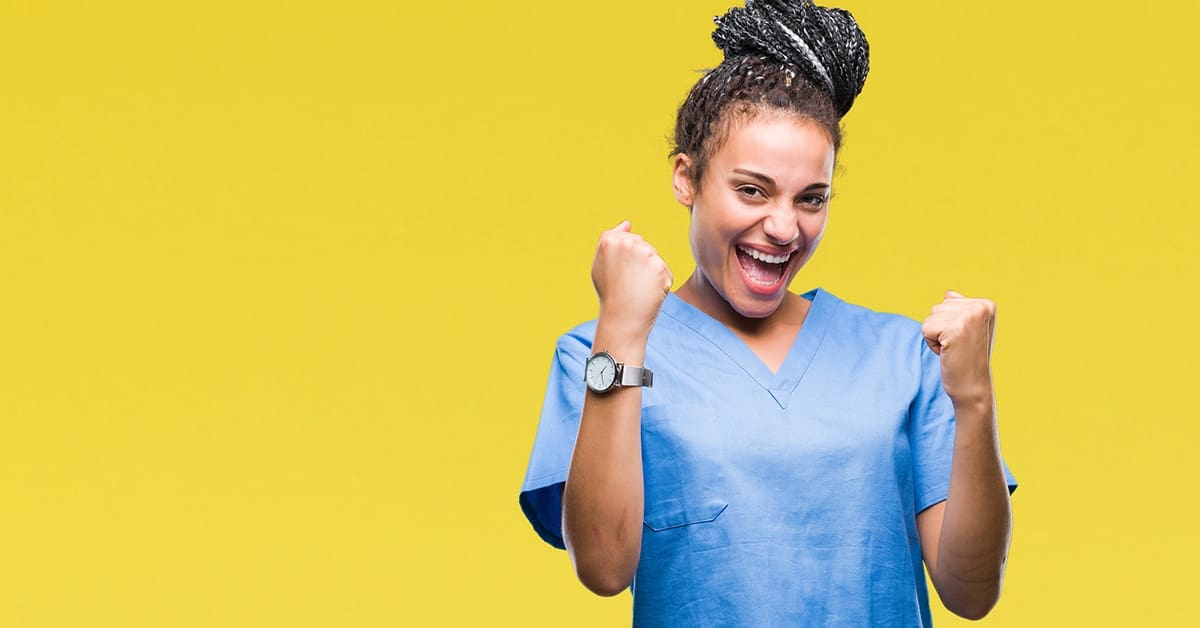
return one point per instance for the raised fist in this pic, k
(630, 278)
(961, 330)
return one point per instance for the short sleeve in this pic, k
(541, 494)
(931, 435)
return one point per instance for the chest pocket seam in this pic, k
(681, 465)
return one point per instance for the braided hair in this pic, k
(788, 55)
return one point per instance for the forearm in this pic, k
(603, 499)
(977, 521)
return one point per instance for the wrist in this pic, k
(975, 409)
(972, 393)
(624, 338)
(617, 362)
(631, 354)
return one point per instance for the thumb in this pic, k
(931, 329)
(624, 225)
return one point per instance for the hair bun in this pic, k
(826, 44)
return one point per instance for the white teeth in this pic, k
(763, 257)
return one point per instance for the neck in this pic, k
(698, 292)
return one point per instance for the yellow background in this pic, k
(280, 282)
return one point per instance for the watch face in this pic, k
(601, 372)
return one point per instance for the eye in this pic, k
(813, 201)
(750, 191)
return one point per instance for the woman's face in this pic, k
(760, 211)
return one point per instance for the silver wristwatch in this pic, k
(603, 373)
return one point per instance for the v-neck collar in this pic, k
(779, 384)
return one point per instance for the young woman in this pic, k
(738, 454)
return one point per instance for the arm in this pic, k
(965, 539)
(603, 499)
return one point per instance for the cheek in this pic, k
(701, 233)
(694, 234)
(814, 228)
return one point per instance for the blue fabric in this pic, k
(785, 499)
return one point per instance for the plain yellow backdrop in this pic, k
(280, 282)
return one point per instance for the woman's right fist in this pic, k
(630, 278)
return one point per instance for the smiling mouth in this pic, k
(763, 269)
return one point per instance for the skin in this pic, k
(767, 187)
(603, 499)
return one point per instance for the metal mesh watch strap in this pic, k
(636, 376)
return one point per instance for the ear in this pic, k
(681, 180)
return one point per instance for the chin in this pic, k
(753, 303)
(755, 306)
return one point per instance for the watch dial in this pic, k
(601, 371)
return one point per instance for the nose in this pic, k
(781, 226)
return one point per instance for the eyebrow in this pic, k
(771, 182)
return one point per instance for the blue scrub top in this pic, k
(772, 499)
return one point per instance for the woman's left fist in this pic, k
(961, 330)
